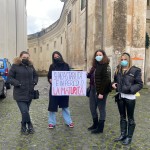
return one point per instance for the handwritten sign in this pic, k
(69, 83)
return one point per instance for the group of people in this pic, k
(127, 81)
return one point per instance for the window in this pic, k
(34, 50)
(41, 49)
(61, 40)
(1, 64)
(54, 44)
(47, 46)
(148, 2)
(69, 17)
(83, 4)
(8, 65)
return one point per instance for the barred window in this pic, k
(148, 2)
(69, 17)
(83, 4)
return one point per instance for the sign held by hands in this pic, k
(72, 83)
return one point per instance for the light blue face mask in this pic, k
(99, 58)
(124, 63)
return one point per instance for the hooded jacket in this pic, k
(57, 101)
(23, 78)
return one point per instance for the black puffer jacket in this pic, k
(103, 78)
(23, 78)
(130, 82)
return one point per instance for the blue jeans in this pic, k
(65, 114)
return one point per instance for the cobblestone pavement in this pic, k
(64, 138)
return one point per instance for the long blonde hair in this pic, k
(129, 59)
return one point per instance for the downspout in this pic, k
(103, 23)
(38, 51)
(145, 70)
(86, 35)
(16, 24)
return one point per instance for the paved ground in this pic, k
(64, 138)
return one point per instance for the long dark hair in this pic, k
(58, 53)
(105, 59)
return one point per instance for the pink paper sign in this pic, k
(71, 83)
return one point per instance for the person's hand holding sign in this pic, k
(100, 96)
(50, 80)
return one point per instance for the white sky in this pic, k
(42, 13)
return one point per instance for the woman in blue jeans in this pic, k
(58, 101)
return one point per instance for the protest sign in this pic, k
(71, 83)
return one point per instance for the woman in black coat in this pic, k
(102, 78)
(58, 101)
(127, 81)
(23, 77)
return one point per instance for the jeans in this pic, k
(97, 103)
(65, 114)
(24, 109)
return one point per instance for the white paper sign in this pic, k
(69, 83)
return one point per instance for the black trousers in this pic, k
(126, 108)
(24, 109)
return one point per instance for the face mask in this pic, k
(99, 58)
(124, 63)
(25, 61)
(58, 60)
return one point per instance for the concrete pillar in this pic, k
(13, 35)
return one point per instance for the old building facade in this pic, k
(13, 28)
(87, 25)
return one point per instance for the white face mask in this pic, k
(99, 58)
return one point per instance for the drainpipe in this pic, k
(86, 35)
(16, 24)
(103, 23)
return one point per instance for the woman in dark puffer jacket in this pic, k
(102, 78)
(127, 81)
(23, 77)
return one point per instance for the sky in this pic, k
(42, 13)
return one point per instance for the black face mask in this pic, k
(58, 60)
(25, 61)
